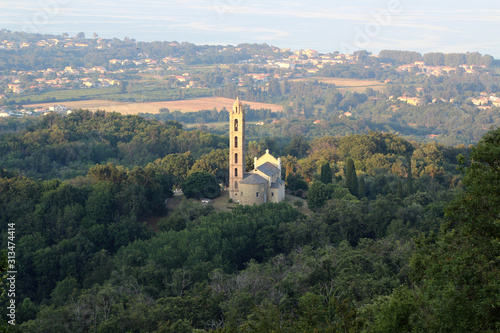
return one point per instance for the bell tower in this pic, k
(236, 148)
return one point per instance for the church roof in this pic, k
(238, 107)
(269, 169)
(237, 102)
(253, 179)
(277, 183)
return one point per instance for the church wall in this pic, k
(274, 195)
(281, 193)
(247, 194)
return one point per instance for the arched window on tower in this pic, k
(236, 125)
(235, 142)
(236, 158)
(235, 184)
(236, 172)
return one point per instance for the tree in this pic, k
(64, 290)
(400, 189)
(351, 177)
(80, 35)
(458, 272)
(296, 182)
(317, 195)
(298, 203)
(216, 162)
(362, 188)
(298, 147)
(3, 270)
(409, 180)
(396, 313)
(201, 185)
(288, 170)
(177, 165)
(188, 210)
(326, 174)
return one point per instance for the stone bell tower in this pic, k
(236, 148)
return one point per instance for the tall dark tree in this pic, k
(326, 174)
(409, 180)
(351, 177)
(400, 189)
(317, 195)
(362, 187)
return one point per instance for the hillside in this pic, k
(358, 254)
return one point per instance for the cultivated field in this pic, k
(354, 85)
(205, 103)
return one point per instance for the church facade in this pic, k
(263, 183)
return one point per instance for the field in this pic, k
(354, 85)
(188, 105)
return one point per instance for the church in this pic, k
(263, 183)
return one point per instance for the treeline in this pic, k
(216, 58)
(355, 71)
(456, 59)
(41, 57)
(65, 147)
(210, 116)
(137, 93)
(403, 57)
(436, 58)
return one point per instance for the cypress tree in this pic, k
(351, 179)
(400, 189)
(288, 171)
(409, 181)
(326, 174)
(362, 188)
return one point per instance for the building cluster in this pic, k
(52, 79)
(419, 68)
(39, 111)
(486, 101)
(259, 69)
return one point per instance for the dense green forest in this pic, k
(397, 235)
(65, 147)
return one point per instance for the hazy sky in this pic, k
(327, 26)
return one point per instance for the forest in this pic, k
(345, 113)
(397, 235)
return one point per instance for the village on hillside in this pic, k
(187, 69)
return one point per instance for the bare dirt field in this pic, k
(356, 85)
(189, 105)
